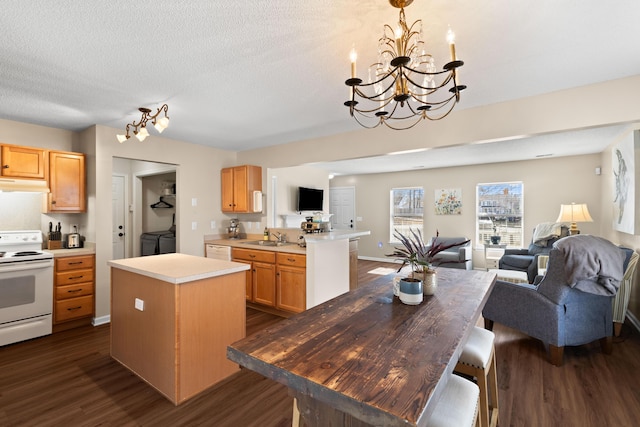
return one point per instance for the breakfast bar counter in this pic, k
(364, 358)
(172, 318)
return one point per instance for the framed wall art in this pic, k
(448, 201)
(623, 168)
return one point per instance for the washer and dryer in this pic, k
(157, 242)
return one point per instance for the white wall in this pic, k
(282, 191)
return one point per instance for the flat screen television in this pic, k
(309, 199)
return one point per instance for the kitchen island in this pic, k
(366, 359)
(327, 261)
(172, 317)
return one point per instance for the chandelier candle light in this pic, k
(402, 84)
(140, 128)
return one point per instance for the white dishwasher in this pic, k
(218, 252)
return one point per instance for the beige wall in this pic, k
(555, 112)
(286, 182)
(547, 184)
(197, 175)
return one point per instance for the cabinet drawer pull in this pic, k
(71, 291)
(74, 308)
(76, 262)
(291, 259)
(75, 277)
(251, 256)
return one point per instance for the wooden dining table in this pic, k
(366, 359)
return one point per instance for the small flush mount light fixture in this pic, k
(573, 214)
(404, 86)
(140, 128)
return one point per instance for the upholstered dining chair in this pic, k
(560, 311)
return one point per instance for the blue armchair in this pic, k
(555, 312)
(526, 260)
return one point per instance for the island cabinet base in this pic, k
(177, 340)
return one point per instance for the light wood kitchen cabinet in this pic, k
(74, 281)
(291, 278)
(23, 162)
(275, 280)
(261, 277)
(238, 186)
(66, 182)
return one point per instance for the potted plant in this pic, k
(495, 239)
(420, 257)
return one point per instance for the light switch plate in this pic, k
(139, 304)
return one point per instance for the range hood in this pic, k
(24, 185)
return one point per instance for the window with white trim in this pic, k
(407, 210)
(499, 212)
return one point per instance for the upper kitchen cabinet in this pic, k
(241, 189)
(23, 162)
(66, 182)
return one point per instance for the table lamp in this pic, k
(573, 214)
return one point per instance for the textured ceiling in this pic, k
(246, 74)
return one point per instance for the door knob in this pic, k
(120, 227)
(120, 234)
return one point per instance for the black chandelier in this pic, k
(404, 86)
(140, 128)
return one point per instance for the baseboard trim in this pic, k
(633, 320)
(102, 320)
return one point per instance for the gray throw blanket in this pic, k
(592, 264)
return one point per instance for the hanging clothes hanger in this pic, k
(161, 204)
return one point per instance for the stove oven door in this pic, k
(26, 300)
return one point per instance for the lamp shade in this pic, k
(574, 213)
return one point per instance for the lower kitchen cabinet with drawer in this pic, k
(276, 281)
(74, 281)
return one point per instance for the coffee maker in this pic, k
(234, 229)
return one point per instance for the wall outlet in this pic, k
(194, 225)
(139, 304)
(213, 225)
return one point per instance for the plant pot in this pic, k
(495, 240)
(411, 291)
(429, 280)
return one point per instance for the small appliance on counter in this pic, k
(315, 227)
(73, 239)
(234, 229)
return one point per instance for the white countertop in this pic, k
(88, 249)
(178, 268)
(335, 235)
(291, 247)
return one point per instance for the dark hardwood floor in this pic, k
(68, 379)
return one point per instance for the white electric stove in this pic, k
(26, 286)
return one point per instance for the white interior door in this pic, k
(342, 206)
(118, 216)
